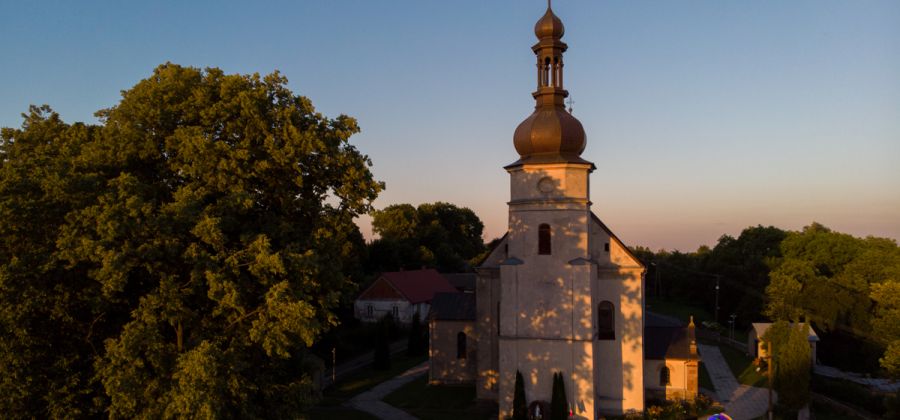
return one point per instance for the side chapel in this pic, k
(560, 292)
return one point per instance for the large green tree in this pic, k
(179, 258)
(439, 235)
(792, 363)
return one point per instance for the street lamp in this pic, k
(733, 316)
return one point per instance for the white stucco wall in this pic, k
(381, 307)
(548, 302)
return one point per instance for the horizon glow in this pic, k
(703, 118)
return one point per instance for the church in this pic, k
(560, 292)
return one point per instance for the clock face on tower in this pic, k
(545, 185)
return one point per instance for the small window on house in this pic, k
(370, 312)
(664, 376)
(606, 321)
(544, 239)
(461, 345)
(606, 246)
(395, 311)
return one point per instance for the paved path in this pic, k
(879, 384)
(741, 401)
(370, 401)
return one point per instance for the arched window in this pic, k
(544, 239)
(664, 376)
(461, 345)
(546, 72)
(606, 321)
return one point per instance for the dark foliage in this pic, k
(559, 405)
(383, 344)
(415, 343)
(520, 404)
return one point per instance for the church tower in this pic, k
(568, 293)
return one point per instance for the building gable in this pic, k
(619, 254)
(381, 289)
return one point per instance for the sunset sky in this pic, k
(703, 117)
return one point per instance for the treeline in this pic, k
(740, 266)
(848, 288)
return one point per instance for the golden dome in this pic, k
(549, 26)
(550, 134)
(550, 131)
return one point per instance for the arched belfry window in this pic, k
(606, 321)
(461, 345)
(664, 376)
(544, 239)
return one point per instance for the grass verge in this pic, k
(439, 402)
(365, 378)
(742, 367)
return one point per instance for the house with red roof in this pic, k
(402, 294)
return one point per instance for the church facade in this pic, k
(560, 292)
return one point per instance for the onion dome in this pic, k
(550, 133)
(550, 130)
(549, 26)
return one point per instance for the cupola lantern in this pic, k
(550, 134)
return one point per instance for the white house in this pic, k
(402, 294)
(757, 348)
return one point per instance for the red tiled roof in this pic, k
(419, 285)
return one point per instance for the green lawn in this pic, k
(683, 311)
(338, 413)
(680, 310)
(365, 379)
(742, 367)
(438, 402)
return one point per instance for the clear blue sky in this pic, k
(703, 117)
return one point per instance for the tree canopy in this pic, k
(439, 235)
(178, 258)
(840, 282)
(843, 285)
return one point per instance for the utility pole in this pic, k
(333, 364)
(717, 299)
(770, 360)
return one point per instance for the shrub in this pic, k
(520, 405)
(559, 405)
